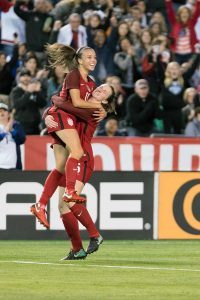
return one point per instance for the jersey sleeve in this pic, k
(84, 114)
(72, 80)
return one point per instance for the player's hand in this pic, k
(49, 122)
(57, 101)
(99, 115)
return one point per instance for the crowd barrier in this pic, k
(123, 204)
(122, 154)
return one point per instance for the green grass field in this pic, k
(119, 270)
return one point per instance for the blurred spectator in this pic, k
(189, 71)
(135, 13)
(197, 98)
(123, 32)
(31, 64)
(84, 6)
(105, 50)
(62, 10)
(195, 76)
(111, 128)
(182, 30)
(145, 46)
(120, 7)
(155, 30)
(95, 22)
(172, 99)
(12, 31)
(18, 57)
(27, 99)
(6, 78)
(11, 137)
(155, 61)
(142, 109)
(125, 62)
(38, 25)
(5, 5)
(191, 5)
(120, 96)
(193, 127)
(188, 109)
(54, 83)
(106, 5)
(144, 17)
(135, 32)
(73, 34)
(158, 17)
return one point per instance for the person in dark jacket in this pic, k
(12, 136)
(6, 78)
(126, 64)
(38, 25)
(27, 99)
(104, 48)
(84, 6)
(172, 99)
(142, 109)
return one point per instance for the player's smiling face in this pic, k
(102, 93)
(88, 60)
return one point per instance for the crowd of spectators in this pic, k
(148, 50)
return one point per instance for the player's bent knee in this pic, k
(60, 168)
(63, 208)
(77, 153)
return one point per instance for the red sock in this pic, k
(50, 186)
(71, 173)
(72, 229)
(62, 181)
(82, 214)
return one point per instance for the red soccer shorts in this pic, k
(64, 120)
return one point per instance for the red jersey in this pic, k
(74, 80)
(86, 131)
(84, 128)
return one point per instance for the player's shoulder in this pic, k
(73, 75)
(74, 72)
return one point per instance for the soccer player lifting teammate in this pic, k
(78, 88)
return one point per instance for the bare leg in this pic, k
(71, 138)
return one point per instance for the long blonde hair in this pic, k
(59, 54)
(168, 79)
(187, 91)
(66, 56)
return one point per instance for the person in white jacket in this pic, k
(73, 34)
